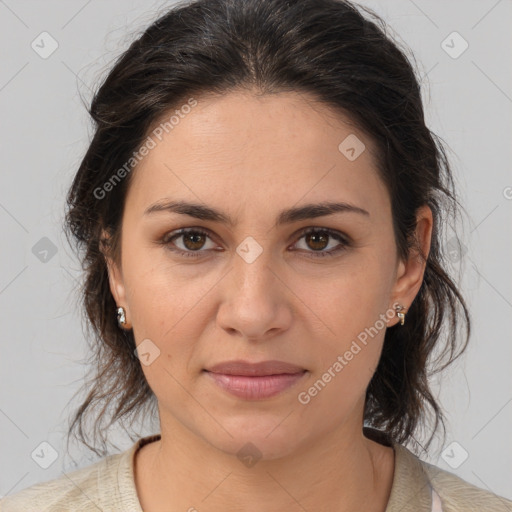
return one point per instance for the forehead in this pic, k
(250, 149)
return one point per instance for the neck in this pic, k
(342, 471)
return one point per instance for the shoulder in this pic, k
(79, 490)
(105, 485)
(422, 487)
(455, 494)
(458, 495)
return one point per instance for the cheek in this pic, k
(352, 298)
(349, 353)
(171, 305)
(354, 311)
(160, 291)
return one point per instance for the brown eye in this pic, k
(193, 241)
(317, 240)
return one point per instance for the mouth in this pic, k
(255, 381)
(261, 369)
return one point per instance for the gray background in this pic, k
(45, 131)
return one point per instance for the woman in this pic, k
(259, 212)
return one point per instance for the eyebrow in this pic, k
(288, 216)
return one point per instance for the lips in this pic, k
(255, 381)
(264, 368)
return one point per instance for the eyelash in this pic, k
(170, 237)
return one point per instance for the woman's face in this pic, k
(256, 288)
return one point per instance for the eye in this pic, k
(194, 239)
(318, 239)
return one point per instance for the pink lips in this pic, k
(254, 381)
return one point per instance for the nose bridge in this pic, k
(253, 265)
(253, 304)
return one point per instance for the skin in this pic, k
(250, 157)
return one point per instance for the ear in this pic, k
(115, 278)
(411, 271)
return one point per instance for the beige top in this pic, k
(109, 486)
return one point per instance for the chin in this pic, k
(263, 438)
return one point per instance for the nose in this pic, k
(255, 303)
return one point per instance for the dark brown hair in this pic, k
(328, 50)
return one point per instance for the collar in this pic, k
(410, 490)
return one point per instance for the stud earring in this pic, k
(121, 317)
(400, 313)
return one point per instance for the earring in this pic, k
(121, 317)
(400, 313)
